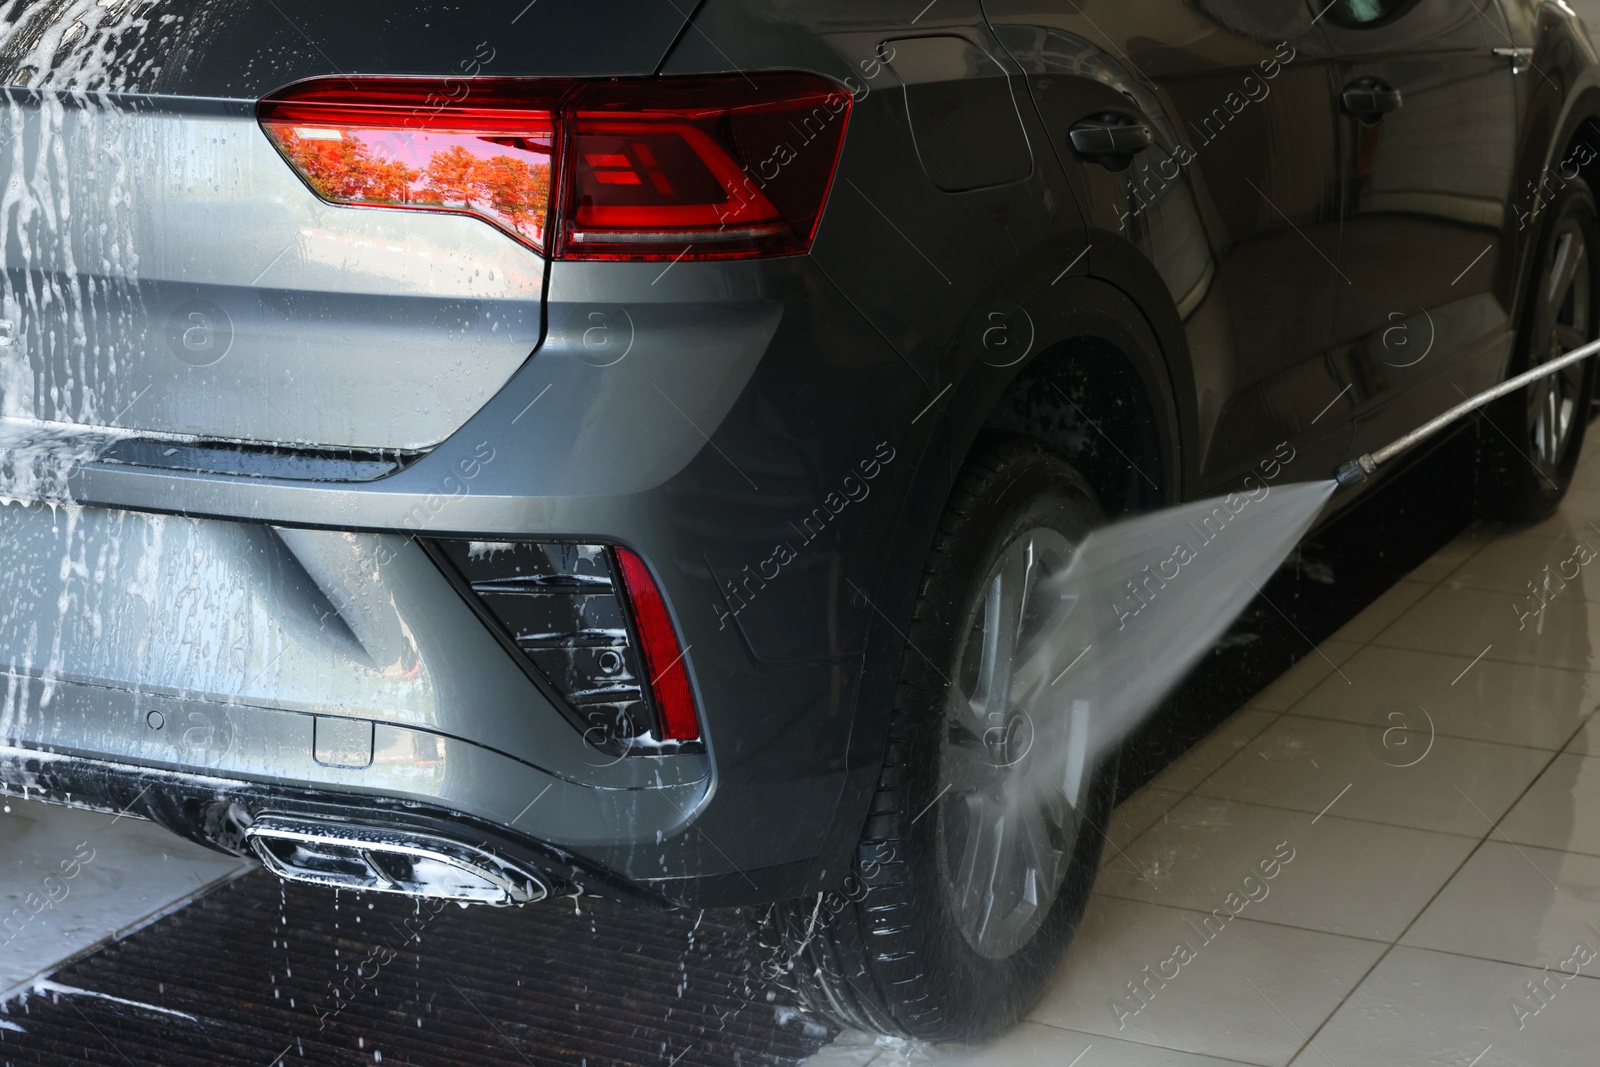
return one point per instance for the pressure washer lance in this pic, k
(1356, 470)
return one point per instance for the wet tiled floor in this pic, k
(1389, 856)
(71, 880)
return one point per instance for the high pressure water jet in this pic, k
(1141, 601)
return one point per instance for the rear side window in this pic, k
(1366, 12)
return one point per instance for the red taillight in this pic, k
(406, 143)
(701, 168)
(665, 168)
(663, 658)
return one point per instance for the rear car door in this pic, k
(1236, 202)
(1429, 131)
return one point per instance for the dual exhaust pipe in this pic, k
(377, 860)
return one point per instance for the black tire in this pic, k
(1531, 439)
(887, 953)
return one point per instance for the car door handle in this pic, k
(1370, 97)
(1520, 58)
(1110, 138)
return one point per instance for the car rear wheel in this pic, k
(1532, 437)
(977, 859)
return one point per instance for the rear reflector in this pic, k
(592, 633)
(667, 674)
(661, 168)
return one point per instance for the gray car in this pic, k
(506, 450)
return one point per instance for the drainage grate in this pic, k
(256, 974)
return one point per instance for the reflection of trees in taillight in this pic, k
(451, 174)
(516, 191)
(341, 166)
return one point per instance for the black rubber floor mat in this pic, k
(260, 973)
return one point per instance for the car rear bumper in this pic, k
(224, 636)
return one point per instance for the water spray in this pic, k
(1143, 600)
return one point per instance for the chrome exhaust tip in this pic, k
(378, 860)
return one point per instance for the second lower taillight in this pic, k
(668, 675)
(660, 168)
(591, 625)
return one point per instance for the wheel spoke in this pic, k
(1536, 391)
(990, 867)
(1002, 607)
(979, 855)
(1061, 631)
(974, 824)
(979, 700)
(1549, 417)
(1541, 422)
(1569, 258)
(1037, 843)
(965, 719)
(1075, 764)
(1565, 338)
(1013, 580)
(1576, 313)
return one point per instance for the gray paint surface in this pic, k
(198, 287)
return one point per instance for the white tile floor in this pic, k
(70, 880)
(1434, 771)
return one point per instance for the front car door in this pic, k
(1428, 95)
(1236, 203)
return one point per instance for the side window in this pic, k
(1359, 13)
(1373, 27)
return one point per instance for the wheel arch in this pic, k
(1086, 330)
(1095, 381)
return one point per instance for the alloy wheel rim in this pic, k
(1553, 400)
(1009, 813)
